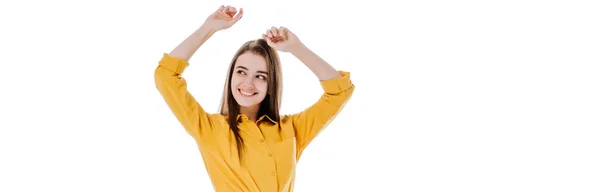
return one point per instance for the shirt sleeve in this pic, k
(308, 123)
(173, 89)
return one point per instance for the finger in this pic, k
(280, 35)
(224, 15)
(281, 31)
(230, 11)
(269, 33)
(274, 31)
(239, 15)
(227, 9)
(284, 32)
(266, 37)
(221, 8)
(269, 41)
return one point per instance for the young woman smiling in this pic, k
(248, 145)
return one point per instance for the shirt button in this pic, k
(270, 155)
(273, 173)
(262, 140)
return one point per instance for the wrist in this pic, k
(208, 28)
(298, 49)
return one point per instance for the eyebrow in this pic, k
(257, 71)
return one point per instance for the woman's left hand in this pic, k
(282, 39)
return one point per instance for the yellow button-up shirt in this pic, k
(270, 156)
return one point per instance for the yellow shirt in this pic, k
(270, 156)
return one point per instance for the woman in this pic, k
(248, 146)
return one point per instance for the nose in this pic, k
(248, 82)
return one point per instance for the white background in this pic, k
(450, 95)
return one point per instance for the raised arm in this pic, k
(221, 19)
(337, 87)
(173, 87)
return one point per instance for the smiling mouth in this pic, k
(244, 93)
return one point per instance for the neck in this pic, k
(250, 112)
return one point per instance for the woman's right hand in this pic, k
(223, 18)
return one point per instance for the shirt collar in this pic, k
(262, 118)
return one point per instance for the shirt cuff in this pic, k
(174, 64)
(338, 84)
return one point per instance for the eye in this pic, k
(241, 72)
(261, 77)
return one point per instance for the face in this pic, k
(249, 80)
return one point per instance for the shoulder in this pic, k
(286, 118)
(217, 119)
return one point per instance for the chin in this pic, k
(246, 103)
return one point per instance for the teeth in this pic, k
(246, 93)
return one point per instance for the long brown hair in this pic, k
(270, 105)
